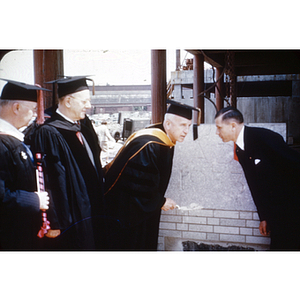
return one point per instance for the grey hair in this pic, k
(73, 95)
(4, 102)
(169, 117)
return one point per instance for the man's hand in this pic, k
(169, 204)
(263, 228)
(44, 200)
(52, 233)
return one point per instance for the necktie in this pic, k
(78, 134)
(84, 142)
(234, 153)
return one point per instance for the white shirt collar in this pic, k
(7, 128)
(240, 139)
(68, 119)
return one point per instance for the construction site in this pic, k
(215, 207)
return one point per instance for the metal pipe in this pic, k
(219, 88)
(178, 63)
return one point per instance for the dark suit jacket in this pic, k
(272, 170)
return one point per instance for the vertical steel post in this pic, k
(219, 88)
(158, 84)
(198, 85)
(178, 63)
(48, 64)
(233, 84)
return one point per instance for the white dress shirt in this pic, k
(240, 139)
(7, 128)
(68, 119)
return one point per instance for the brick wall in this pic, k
(210, 226)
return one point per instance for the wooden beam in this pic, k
(158, 85)
(198, 85)
(48, 65)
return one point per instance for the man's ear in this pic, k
(16, 108)
(233, 125)
(167, 125)
(67, 101)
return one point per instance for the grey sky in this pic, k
(113, 67)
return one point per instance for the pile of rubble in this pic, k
(192, 246)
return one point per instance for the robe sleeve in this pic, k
(142, 178)
(14, 200)
(18, 200)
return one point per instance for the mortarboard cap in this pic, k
(186, 111)
(180, 109)
(14, 90)
(70, 85)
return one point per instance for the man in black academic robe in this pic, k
(136, 181)
(20, 213)
(20, 203)
(272, 171)
(73, 174)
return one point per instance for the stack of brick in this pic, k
(223, 227)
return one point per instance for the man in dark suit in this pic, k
(272, 171)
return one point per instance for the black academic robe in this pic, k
(20, 215)
(135, 185)
(272, 171)
(75, 185)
